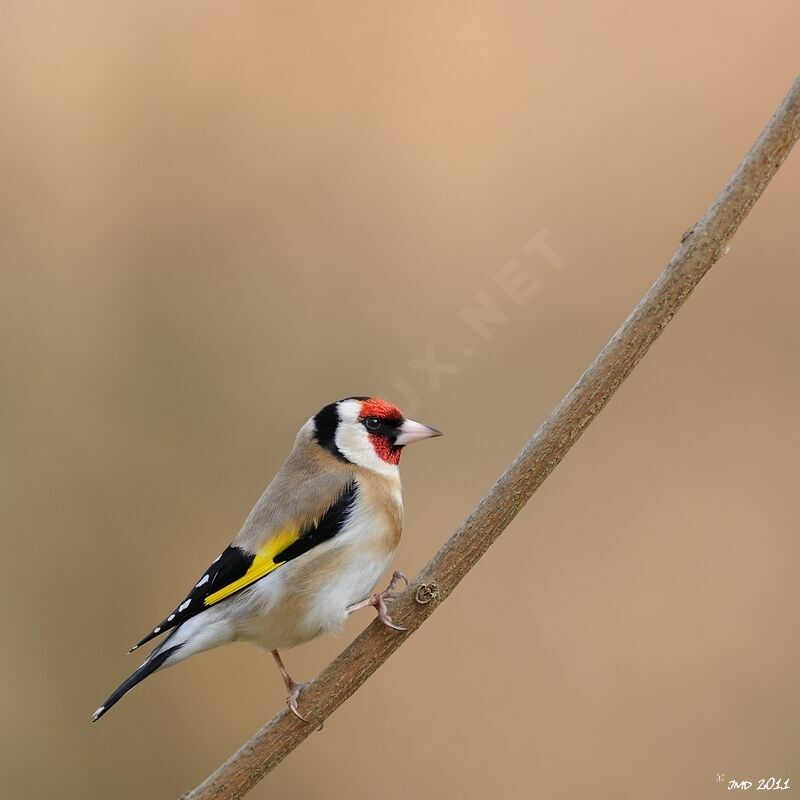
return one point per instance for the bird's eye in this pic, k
(372, 423)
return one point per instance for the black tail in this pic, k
(148, 668)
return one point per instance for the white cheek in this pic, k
(353, 441)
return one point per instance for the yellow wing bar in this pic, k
(262, 565)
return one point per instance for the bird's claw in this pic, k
(383, 615)
(292, 686)
(291, 699)
(389, 592)
(379, 601)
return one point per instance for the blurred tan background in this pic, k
(217, 218)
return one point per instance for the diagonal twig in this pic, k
(701, 247)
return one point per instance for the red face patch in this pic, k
(385, 449)
(385, 412)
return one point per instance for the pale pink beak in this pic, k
(411, 431)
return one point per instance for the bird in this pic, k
(310, 552)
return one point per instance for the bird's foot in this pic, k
(292, 686)
(291, 699)
(379, 601)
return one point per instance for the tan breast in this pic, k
(383, 495)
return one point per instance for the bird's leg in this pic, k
(379, 601)
(292, 686)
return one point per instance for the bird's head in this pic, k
(367, 431)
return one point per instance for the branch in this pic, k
(701, 247)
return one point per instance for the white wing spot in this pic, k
(202, 580)
(170, 618)
(183, 606)
(157, 630)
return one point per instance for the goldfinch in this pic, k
(311, 550)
